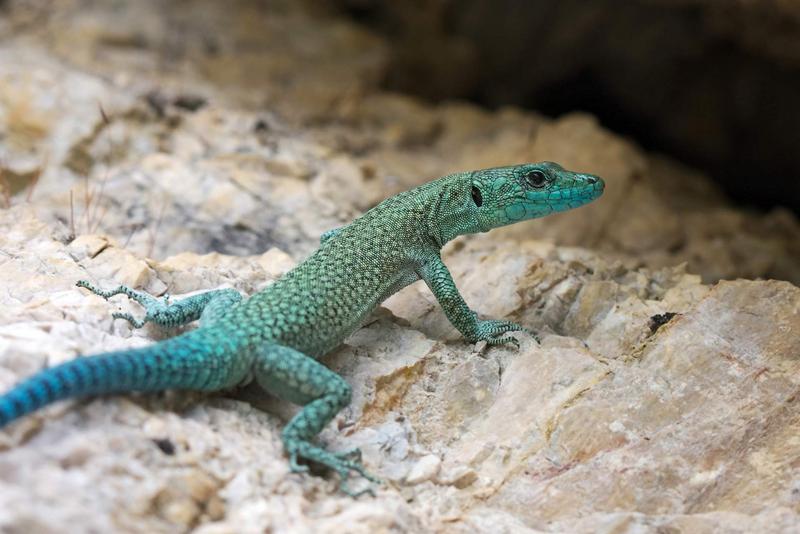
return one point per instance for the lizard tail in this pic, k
(189, 361)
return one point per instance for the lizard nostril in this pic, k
(591, 179)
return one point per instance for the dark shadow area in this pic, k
(713, 84)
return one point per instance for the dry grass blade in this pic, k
(95, 218)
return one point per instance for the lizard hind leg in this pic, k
(207, 306)
(300, 379)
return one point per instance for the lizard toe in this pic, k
(503, 340)
(352, 454)
(296, 467)
(344, 470)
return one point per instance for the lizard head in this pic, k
(477, 201)
(506, 195)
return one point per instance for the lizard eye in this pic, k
(476, 196)
(536, 179)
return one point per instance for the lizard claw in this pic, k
(503, 340)
(344, 488)
(296, 467)
(352, 454)
(136, 323)
(491, 330)
(344, 470)
(344, 463)
(533, 334)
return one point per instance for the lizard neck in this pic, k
(450, 213)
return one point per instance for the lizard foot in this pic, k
(207, 306)
(149, 302)
(491, 330)
(344, 469)
(352, 454)
(341, 462)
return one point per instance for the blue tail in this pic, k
(199, 360)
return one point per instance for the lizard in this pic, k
(277, 335)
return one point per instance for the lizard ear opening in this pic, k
(476, 196)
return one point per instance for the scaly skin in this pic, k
(277, 335)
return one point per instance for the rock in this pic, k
(658, 398)
(460, 476)
(425, 469)
(163, 179)
(703, 405)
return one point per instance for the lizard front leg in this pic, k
(300, 379)
(440, 281)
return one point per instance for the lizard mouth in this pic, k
(591, 189)
(570, 192)
(585, 189)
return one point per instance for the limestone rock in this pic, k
(163, 170)
(693, 414)
(658, 398)
(425, 469)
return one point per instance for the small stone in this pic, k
(215, 508)
(425, 469)
(200, 486)
(216, 528)
(181, 512)
(460, 477)
(87, 246)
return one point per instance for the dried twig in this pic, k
(95, 218)
(103, 113)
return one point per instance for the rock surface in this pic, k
(660, 398)
(166, 151)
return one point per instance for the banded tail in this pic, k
(199, 360)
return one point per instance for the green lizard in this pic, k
(277, 335)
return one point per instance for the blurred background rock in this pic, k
(375, 97)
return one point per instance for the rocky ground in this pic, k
(181, 146)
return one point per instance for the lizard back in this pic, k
(313, 307)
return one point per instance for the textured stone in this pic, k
(148, 172)
(694, 416)
(655, 401)
(425, 469)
